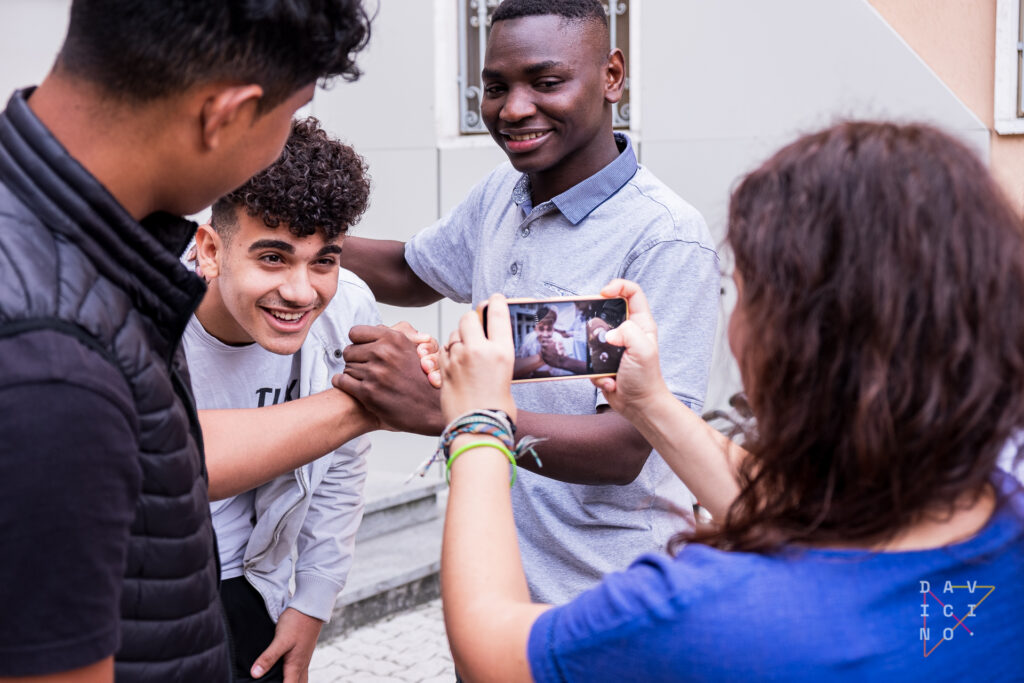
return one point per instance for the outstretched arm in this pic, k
(488, 614)
(381, 264)
(700, 455)
(487, 610)
(585, 449)
(248, 447)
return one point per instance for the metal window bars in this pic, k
(474, 26)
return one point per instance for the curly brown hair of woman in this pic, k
(316, 184)
(882, 299)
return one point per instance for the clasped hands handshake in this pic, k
(409, 383)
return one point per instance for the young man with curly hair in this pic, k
(271, 329)
(152, 110)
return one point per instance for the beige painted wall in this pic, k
(956, 38)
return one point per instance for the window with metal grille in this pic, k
(474, 27)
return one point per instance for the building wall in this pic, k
(716, 87)
(31, 32)
(725, 83)
(956, 38)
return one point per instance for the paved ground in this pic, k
(406, 648)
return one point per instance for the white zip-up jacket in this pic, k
(317, 508)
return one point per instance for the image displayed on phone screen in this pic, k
(565, 338)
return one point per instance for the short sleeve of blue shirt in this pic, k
(443, 254)
(595, 632)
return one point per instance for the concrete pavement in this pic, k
(410, 647)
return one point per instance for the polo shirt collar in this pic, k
(581, 199)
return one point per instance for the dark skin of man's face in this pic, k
(548, 89)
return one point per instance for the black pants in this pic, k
(252, 629)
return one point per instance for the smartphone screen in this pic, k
(563, 338)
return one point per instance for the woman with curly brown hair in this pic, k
(879, 331)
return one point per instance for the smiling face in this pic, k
(266, 285)
(545, 325)
(549, 84)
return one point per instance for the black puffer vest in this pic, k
(72, 260)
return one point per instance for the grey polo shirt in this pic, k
(620, 222)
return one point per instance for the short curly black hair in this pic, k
(140, 50)
(317, 184)
(567, 9)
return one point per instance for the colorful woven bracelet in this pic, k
(494, 422)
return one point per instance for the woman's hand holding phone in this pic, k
(476, 370)
(639, 381)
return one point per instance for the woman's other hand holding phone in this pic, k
(639, 382)
(703, 458)
(487, 609)
(476, 370)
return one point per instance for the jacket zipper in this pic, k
(279, 528)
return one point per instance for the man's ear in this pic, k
(209, 249)
(614, 76)
(225, 106)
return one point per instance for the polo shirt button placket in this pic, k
(525, 232)
(514, 268)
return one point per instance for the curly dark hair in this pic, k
(882, 307)
(140, 50)
(316, 184)
(568, 9)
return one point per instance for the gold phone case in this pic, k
(481, 311)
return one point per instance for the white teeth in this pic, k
(287, 317)
(524, 138)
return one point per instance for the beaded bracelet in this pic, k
(481, 444)
(494, 423)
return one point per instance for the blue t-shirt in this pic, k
(814, 615)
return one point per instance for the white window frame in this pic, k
(1009, 71)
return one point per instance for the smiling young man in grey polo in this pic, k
(572, 211)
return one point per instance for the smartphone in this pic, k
(564, 337)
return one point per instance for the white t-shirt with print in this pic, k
(225, 377)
